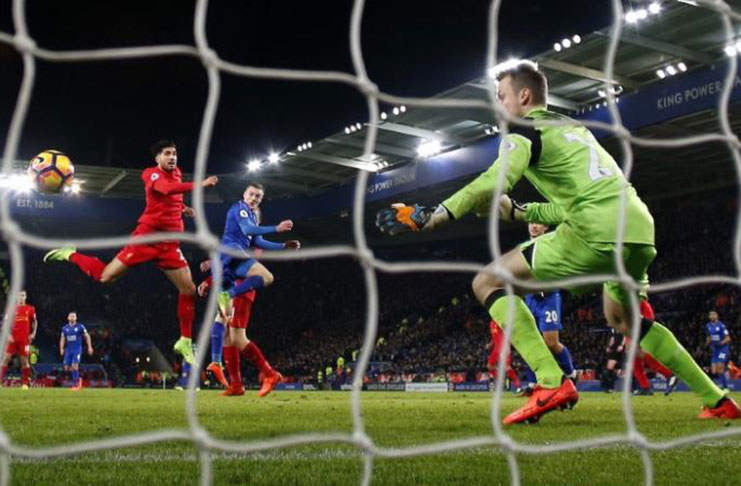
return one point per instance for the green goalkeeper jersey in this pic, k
(567, 165)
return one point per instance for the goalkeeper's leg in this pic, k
(552, 392)
(660, 342)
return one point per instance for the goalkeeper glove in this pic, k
(401, 218)
(510, 210)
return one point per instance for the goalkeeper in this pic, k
(583, 185)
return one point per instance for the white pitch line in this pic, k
(283, 455)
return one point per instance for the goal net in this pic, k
(207, 444)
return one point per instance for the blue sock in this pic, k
(217, 341)
(564, 361)
(75, 375)
(183, 381)
(723, 380)
(253, 282)
(529, 375)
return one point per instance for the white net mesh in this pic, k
(198, 435)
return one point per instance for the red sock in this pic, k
(640, 374)
(657, 367)
(25, 376)
(90, 265)
(513, 377)
(231, 359)
(3, 372)
(647, 311)
(255, 357)
(186, 312)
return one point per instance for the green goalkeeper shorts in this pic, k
(563, 253)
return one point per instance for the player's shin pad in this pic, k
(401, 218)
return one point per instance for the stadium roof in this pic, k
(679, 33)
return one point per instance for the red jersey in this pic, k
(24, 314)
(164, 195)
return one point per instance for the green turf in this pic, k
(47, 417)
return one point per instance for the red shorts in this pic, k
(242, 310)
(166, 254)
(19, 347)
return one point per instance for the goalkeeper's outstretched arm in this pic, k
(516, 152)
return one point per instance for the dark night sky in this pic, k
(110, 112)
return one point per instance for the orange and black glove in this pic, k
(401, 218)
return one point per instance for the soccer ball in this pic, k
(51, 171)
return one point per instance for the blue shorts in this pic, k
(71, 358)
(546, 310)
(721, 355)
(235, 268)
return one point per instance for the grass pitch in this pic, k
(52, 417)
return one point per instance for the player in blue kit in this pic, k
(70, 347)
(546, 308)
(242, 231)
(719, 340)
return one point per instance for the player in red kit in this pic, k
(643, 359)
(21, 336)
(164, 212)
(236, 343)
(496, 344)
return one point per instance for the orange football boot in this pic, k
(269, 383)
(544, 400)
(726, 408)
(218, 372)
(233, 391)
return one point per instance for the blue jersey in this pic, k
(242, 229)
(717, 332)
(73, 337)
(546, 308)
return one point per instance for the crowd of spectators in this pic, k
(316, 310)
(446, 330)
